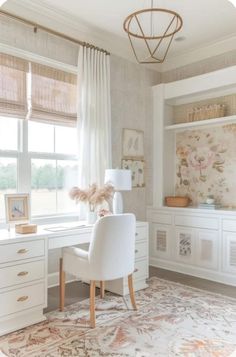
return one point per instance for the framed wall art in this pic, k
(133, 144)
(137, 168)
(17, 207)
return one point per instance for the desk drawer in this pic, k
(141, 233)
(196, 221)
(69, 240)
(20, 251)
(161, 218)
(140, 250)
(140, 269)
(21, 299)
(229, 225)
(21, 273)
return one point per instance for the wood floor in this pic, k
(77, 291)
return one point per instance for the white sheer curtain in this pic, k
(94, 116)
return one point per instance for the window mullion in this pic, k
(57, 186)
(24, 164)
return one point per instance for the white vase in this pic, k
(91, 217)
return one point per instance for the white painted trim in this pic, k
(200, 85)
(216, 276)
(205, 52)
(30, 56)
(202, 123)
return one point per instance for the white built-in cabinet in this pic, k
(189, 240)
(208, 252)
(229, 251)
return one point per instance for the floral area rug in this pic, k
(172, 320)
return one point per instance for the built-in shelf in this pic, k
(200, 123)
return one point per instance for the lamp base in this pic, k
(117, 203)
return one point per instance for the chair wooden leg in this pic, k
(92, 303)
(131, 291)
(102, 289)
(62, 286)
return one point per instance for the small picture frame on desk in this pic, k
(17, 207)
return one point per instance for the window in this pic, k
(53, 167)
(8, 180)
(38, 155)
(8, 159)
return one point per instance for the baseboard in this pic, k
(53, 279)
(218, 277)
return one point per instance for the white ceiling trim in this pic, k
(64, 22)
(211, 50)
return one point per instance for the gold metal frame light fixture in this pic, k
(157, 42)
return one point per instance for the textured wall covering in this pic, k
(131, 107)
(206, 164)
(194, 69)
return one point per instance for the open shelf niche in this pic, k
(172, 102)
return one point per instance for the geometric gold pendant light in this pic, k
(151, 32)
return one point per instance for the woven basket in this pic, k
(177, 201)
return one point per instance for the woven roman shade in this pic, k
(53, 96)
(13, 96)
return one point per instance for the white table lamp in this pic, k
(121, 181)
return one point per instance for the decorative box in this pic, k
(26, 228)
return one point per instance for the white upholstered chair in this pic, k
(110, 256)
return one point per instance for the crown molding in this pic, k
(213, 49)
(63, 22)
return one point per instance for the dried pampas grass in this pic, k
(94, 196)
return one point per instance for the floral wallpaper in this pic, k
(206, 164)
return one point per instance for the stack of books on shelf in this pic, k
(209, 206)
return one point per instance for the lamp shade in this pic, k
(119, 179)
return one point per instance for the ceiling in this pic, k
(205, 21)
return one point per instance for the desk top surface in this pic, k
(50, 231)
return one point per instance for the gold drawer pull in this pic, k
(22, 298)
(136, 270)
(136, 251)
(23, 273)
(22, 251)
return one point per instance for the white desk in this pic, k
(23, 270)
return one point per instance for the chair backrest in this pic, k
(111, 251)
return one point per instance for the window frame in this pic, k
(24, 157)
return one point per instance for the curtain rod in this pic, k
(55, 33)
